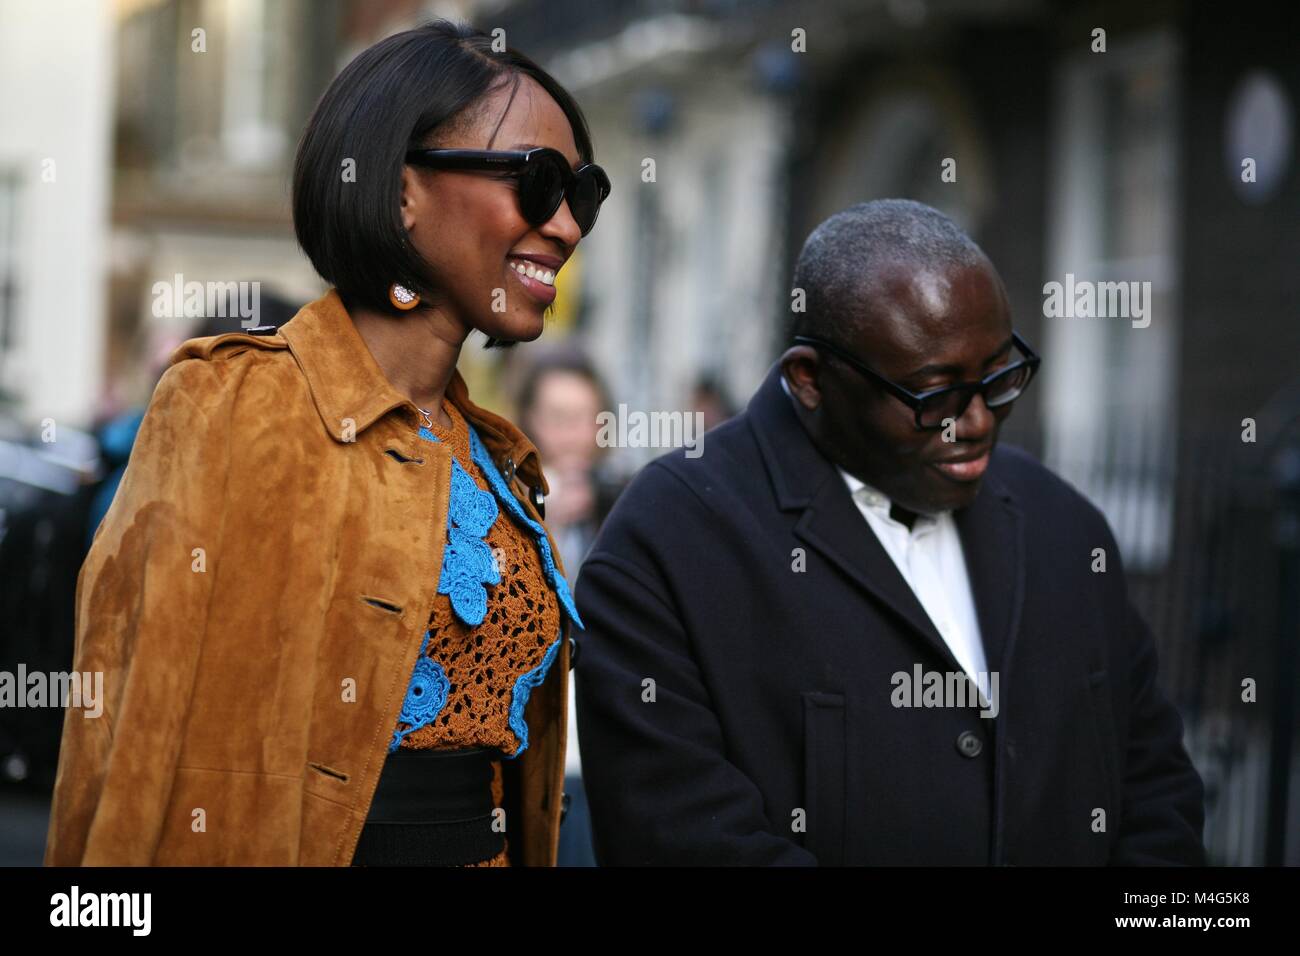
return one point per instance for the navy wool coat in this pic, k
(736, 694)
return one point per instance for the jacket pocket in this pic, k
(825, 767)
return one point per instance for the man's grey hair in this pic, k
(839, 263)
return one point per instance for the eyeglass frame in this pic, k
(512, 159)
(915, 400)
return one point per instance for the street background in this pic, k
(127, 158)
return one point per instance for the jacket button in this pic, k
(539, 500)
(509, 470)
(565, 800)
(574, 650)
(969, 744)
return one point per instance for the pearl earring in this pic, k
(402, 297)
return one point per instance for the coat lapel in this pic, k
(833, 525)
(992, 539)
(804, 480)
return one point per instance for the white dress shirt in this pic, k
(930, 559)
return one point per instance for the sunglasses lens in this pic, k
(585, 198)
(541, 190)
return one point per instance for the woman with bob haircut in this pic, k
(323, 601)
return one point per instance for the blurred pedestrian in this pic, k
(560, 399)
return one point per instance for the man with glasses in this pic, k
(857, 631)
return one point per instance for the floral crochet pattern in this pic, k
(467, 562)
(497, 627)
(425, 695)
(553, 576)
(467, 566)
(526, 682)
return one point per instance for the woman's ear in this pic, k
(410, 192)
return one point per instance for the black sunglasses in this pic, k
(932, 408)
(545, 179)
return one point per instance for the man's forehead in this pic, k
(920, 310)
(919, 288)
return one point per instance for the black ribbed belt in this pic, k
(431, 808)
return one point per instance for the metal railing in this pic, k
(1220, 589)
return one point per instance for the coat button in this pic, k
(539, 500)
(574, 650)
(509, 470)
(969, 744)
(565, 800)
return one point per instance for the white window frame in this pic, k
(1085, 422)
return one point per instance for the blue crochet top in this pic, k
(469, 570)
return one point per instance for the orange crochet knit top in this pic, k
(483, 664)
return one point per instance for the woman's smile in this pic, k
(536, 278)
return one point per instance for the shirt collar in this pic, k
(879, 503)
(785, 386)
(347, 384)
(875, 500)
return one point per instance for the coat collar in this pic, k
(804, 480)
(347, 383)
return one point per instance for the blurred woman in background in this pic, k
(559, 401)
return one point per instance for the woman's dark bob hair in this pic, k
(347, 176)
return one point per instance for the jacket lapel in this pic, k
(992, 539)
(504, 441)
(804, 480)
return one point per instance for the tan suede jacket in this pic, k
(256, 598)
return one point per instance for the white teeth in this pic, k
(545, 276)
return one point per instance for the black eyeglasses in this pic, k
(932, 408)
(545, 179)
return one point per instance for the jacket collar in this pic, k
(347, 383)
(804, 480)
